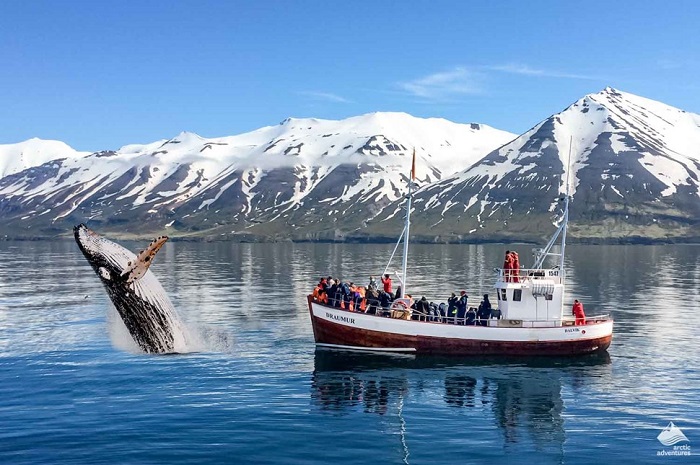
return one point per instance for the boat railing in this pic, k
(470, 320)
(507, 323)
(522, 275)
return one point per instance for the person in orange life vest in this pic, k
(516, 267)
(318, 289)
(577, 311)
(362, 297)
(322, 297)
(386, 281)
(508, 266)
(356, 298)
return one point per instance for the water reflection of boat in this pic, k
(519, 397)
(531, 321)
(329, 360)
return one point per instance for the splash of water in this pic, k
(189, 337)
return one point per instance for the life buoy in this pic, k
(401, 304)
(401, 309)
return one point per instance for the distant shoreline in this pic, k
(372, 240)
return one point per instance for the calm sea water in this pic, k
(255, 390)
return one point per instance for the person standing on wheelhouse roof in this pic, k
(508, 266)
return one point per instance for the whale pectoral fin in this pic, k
(139, 266)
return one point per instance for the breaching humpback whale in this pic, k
(134, 290)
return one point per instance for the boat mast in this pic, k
(407, 227)
(542, 254)
(566, 209)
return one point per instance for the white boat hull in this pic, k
(342, 328)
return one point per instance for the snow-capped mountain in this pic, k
(632, 166)
(33, 152)
(304, 178)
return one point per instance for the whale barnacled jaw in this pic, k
(101, 252)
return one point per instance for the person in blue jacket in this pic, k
(462, 305)
(484, 312)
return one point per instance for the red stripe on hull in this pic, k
(326, 332)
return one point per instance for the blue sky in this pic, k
(99, 75)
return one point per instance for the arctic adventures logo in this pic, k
(670, 437)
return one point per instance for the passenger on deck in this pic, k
(317, 287)
(339, 293)
(422, 309)
(398, 294)
(372, 301)
(442, 309)
(318, 290)
(322, 296)
(434, 312)
(484, 311)
(386, 281)
(577, 311)
(462, 307)
(470, 317)
(333, 293)
(357, 299)
(463, 300)
(384, 300)
(347, 295)
(452, 307)
(372, 286)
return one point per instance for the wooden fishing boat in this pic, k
(530, 301)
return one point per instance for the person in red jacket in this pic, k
(577, 311)
(386, 281)
(516, 267)
(508, 266)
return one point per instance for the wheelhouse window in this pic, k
(503, 294)
(548, 296)
(517, 295)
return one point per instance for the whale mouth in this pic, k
(99, 251)
(103, 253)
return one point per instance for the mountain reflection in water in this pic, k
(520, 397)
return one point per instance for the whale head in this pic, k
(134, 290)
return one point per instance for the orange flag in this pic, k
(413, 166)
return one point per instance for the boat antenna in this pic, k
(407, 227)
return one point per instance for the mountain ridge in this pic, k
(627, 168)
(252, 178)
(633, 174)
